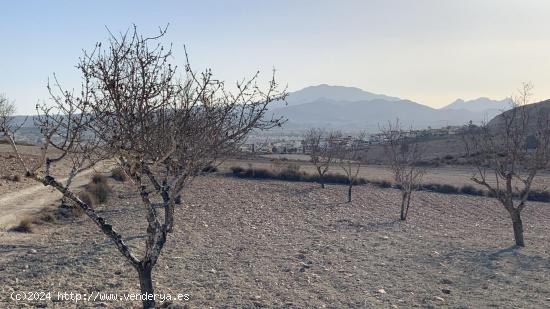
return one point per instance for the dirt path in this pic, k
(18, 204)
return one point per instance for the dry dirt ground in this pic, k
(26, 196)
(253, 244)
(9, 165)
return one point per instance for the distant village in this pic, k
(295, 144)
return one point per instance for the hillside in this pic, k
(533, 111)
(353, 108)
(336, 93)
(480, 105)
(370, 114)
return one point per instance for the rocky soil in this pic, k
(271, 244)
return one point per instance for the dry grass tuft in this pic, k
(87, 198)
(99, 192)
(25, 226)
(119, 174)
(210, 169)
(14, 178)
(98, 178)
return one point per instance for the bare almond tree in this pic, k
(403, 153)
(161, 130)
(350, 154)
(507, 154)
(7, 111)
(322, 148)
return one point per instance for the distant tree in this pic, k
(350, 154)
(322, 148)
(508, 153)
(403, 153)
(7, 110)
(161, 130)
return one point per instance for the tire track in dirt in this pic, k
(18, 204)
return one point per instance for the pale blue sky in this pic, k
(430, 51)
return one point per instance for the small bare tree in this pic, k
(350, 152)
(322, 147)
(403, 153)
(508, 153)
(7, 110)
(162, 131)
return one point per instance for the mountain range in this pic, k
(480, 105)
(352, 108)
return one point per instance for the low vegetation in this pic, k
(291, 174)
(210, 168)
(14, 178)
(98, 190)
(119, 174)
(25, 226)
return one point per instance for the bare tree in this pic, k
(508, 153)
(403, 153)
(7, 110)
(8, 125)
(322, 147)
(161, 130)
(350, 152)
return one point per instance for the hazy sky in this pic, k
(431, 52)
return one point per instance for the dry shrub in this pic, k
(87, 198)
(14, 178)
(98, 178)
(291, 173)
(210, 169)
(236, 170)
(440, 188)
(25, 226)
(539, 196)
(471, 190)
(98, 191)
(58, 214)
(47, 216)
(119, 174)
(384, 184)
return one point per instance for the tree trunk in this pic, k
(349, 193)
(146, 285)
(518, 227)
(403, 215)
